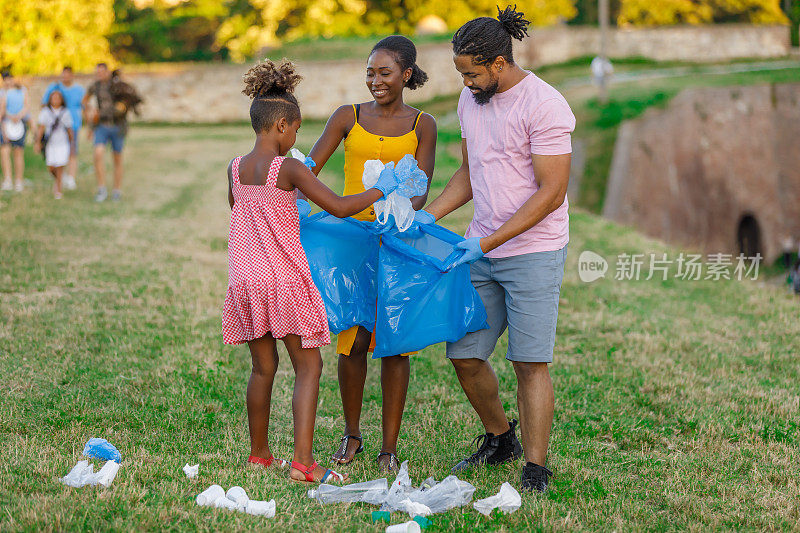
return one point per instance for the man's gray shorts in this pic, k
(520, 293)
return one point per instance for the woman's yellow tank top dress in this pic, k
(359, 147)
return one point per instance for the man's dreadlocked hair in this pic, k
(486, 38)
(271, 87)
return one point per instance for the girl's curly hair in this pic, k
(271, 86)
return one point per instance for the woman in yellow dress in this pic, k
(385, 129)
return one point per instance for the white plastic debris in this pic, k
(83, 474)
(80, 475)
(210, 495)
(399, 490)
(449, 493)
(414, 508)
(373, 492)
(260, 508)
(239, 496)
(235, 499)
(430, 498)
(406, 527)
(191, 471)
(106, 474)
(507, 500)
(394, 204)
(225, 503)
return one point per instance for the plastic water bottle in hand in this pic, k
(412, 182)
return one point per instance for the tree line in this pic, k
(41, 36)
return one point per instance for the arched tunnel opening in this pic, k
(749, 236)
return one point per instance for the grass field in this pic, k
(676, 401)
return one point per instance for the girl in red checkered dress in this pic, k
(270, 291)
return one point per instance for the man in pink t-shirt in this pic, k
(516, 150)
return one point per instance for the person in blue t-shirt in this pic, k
(14, 129)
(73, 101)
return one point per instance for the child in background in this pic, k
(55, 125)
(271, 294)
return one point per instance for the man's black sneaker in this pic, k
(534, 478)
(493, 449)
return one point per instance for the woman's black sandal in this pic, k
(392, 466)
(342, 451)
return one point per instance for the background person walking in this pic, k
(109, 127)
(14, 131)
(73, 100)
(54, 137)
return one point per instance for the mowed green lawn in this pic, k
(676, 401)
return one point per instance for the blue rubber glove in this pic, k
(387, 181)
(303, 208)
(310, 163)
(390, 225)
(472, 251)
(423, 217)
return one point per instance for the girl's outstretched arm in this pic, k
(426, 154)
(294, 174)
(336, 129)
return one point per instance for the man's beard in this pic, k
(483, 97)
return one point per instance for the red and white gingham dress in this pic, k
(269, 283)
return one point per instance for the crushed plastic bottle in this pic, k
(451, 492)
(80, 475)
(413, 182)
(83, 474)
(101, 449)
(105, 476)
(398, 491)
(373, 492)
(430, 498)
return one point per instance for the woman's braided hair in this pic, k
(271, 86)
(487, 38)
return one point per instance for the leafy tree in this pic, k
(659, 12)
(42, 36)
(157, 30)
(260, 23)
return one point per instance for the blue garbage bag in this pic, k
(343, 256)
(101, 449)
(421, 300)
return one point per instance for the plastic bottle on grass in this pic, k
(373, 492)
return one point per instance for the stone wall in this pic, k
(212, 92)
(692, 173)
